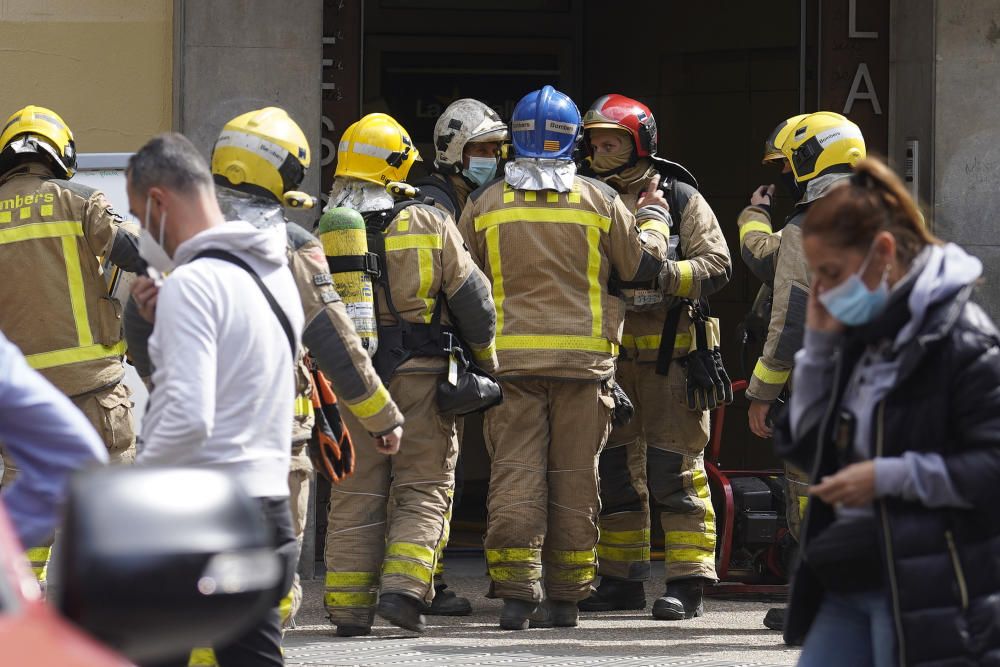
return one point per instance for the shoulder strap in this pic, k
(668, 337)
(286, 326)
(376, 222)
(432, 187)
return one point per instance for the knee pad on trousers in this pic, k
(617, 492)
(666, 487)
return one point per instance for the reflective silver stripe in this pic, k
(270, 151)
(368, 149)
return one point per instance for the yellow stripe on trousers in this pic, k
(623, 554)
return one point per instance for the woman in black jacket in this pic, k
(896, 411)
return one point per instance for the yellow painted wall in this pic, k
(105, 66)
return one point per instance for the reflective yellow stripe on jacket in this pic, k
(68, 232)
(768, 376)
(682, 342)
(595, 224)
(423, 244)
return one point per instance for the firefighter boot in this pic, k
(615, 594)
(775, 619)
(446, 603)
(553, 613)
(402, 611)
(515, 613)
(354, 630)
(682, 600)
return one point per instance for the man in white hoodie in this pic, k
(228, 324)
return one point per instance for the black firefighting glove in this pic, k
(330, 448)
(708, 384)
(623, 411)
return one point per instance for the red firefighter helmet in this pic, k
(623, 113)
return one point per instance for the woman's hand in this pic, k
(854, 486)
(818, 318)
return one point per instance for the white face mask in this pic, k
(151, 249)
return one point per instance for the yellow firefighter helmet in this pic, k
(772, 145)
(262, 152)
(823, 142)
(40, 131)
(376, 149)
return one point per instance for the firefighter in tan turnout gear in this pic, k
(816, 152)
(56, 305)
(258, 163)
(468, 137)
(550, 240)
(660, 453)
(387, 521)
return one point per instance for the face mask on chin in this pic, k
(151, 249)
(852, 303)
(608, 163)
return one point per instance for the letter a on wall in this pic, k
(862, 76)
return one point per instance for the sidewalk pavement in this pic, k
(729, 634)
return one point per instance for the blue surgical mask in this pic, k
(481, 169)
(852, 303)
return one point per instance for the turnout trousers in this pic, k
(386, 522)
(544, 441)
(658, 458)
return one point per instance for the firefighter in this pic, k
(550, 240)
(387, 522)
(816, 153)
(468, 137)
(665, 437)
(251, 187)
(56, 305)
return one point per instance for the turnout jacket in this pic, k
(776, 259)
(549, 256)
(56, 306)
(702, 268)
(425, 260)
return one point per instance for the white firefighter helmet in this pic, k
(463, 121)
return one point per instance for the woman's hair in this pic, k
(873, 200)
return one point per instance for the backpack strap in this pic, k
(225, 256)
(441, 191)
(403, 340)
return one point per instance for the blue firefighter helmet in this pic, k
(545, 124)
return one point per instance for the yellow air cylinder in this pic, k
(342, 233)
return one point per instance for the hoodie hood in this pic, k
(946, 271)
(540, 174)
(240, 238)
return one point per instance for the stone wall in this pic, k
(967, 133)
(237, 55)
